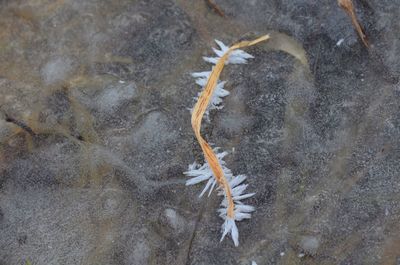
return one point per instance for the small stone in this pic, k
(175, 220)
(309, 244)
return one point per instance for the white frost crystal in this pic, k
(202, 173)
(236, 57)
(219, 92)
(241, 210)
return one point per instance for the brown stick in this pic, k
(215, 8)
(348, 7)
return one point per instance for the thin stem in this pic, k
(197, 116)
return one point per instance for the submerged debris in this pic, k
(348, 7)
(216, 8)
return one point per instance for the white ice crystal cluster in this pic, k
(236, 57)
(203, 173)
(200, 173)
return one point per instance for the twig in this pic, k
(189, 249)
(348, 7)
(216, 8)
(20, 124)
(317, 58)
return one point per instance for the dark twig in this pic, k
(189, 249)
(216, 8)
(317, 58)
(20, 124)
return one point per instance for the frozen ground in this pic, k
(95, 132)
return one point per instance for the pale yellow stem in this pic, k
(198, 113)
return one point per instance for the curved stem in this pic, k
(197, 116)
